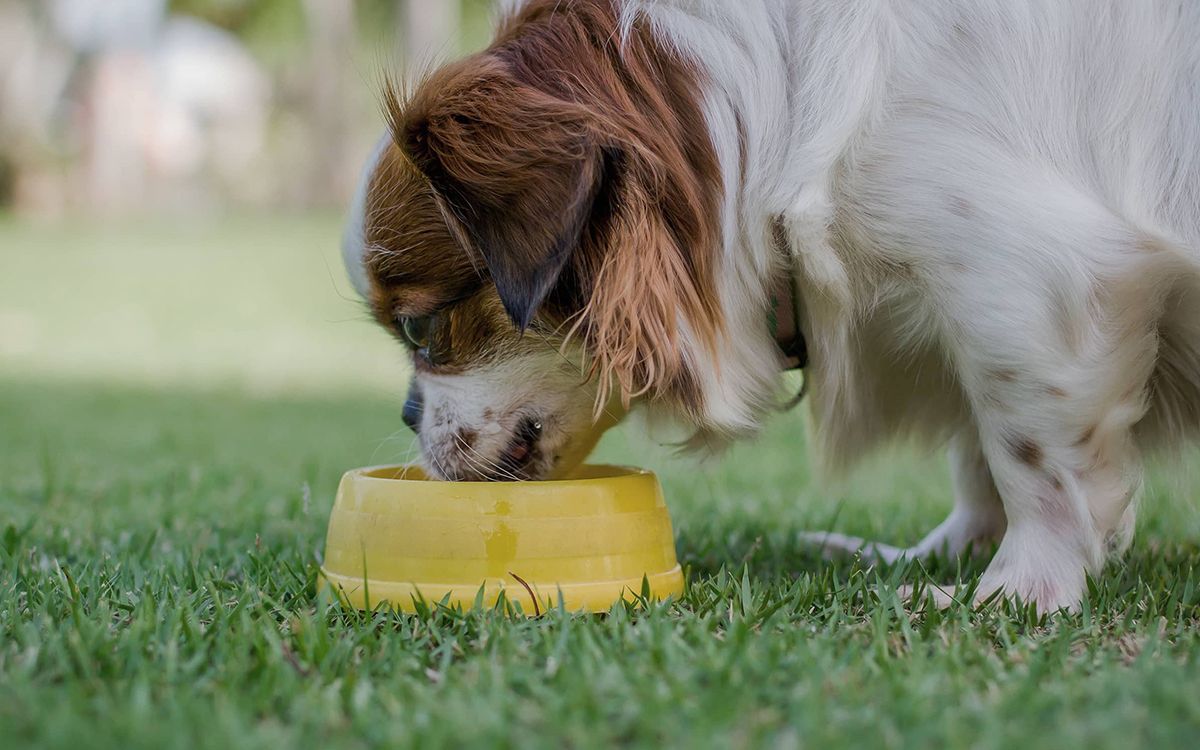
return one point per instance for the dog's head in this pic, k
(540, 228)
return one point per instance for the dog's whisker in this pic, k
(380, 445)
(466, 455)
(496, 467)
(413, 447)
(432, 456)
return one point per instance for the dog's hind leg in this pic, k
(975, 523)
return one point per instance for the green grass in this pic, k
(176, 406)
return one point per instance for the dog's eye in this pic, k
(417, 330)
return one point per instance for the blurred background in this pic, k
(173, 175)
(150, 106)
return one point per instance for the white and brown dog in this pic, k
(990, 210)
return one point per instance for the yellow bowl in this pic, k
(591, 539)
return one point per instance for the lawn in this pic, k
(177, 402)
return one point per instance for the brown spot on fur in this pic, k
(1055, 482)
(467, 437)
(1055, 391)
(964, 33)
(1087, 436)
(1026, 451)
(488, 415)
(961, 207)
(578, 167)
(1004, 375)
(1148, 245)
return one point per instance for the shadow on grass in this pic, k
(770, 552)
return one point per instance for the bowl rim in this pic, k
(612, 472)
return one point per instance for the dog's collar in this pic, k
(783, 319)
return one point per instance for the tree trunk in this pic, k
(431, 32)
(331, 33)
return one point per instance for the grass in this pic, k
(176, 406)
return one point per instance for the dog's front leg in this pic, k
(1046, 306)
(975, 523)
(1063, 497)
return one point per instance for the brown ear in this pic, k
(641, 292)
(516, 169)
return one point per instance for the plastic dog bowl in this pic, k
(396, 536)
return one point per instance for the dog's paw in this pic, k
(942, 597)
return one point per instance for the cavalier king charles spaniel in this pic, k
(989, 211)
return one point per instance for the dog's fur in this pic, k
(991, 209)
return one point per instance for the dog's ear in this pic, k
(516, 172)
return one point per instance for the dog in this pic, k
(989, 211)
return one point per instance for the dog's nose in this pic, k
(412, 413)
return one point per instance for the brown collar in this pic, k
(784, 321)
